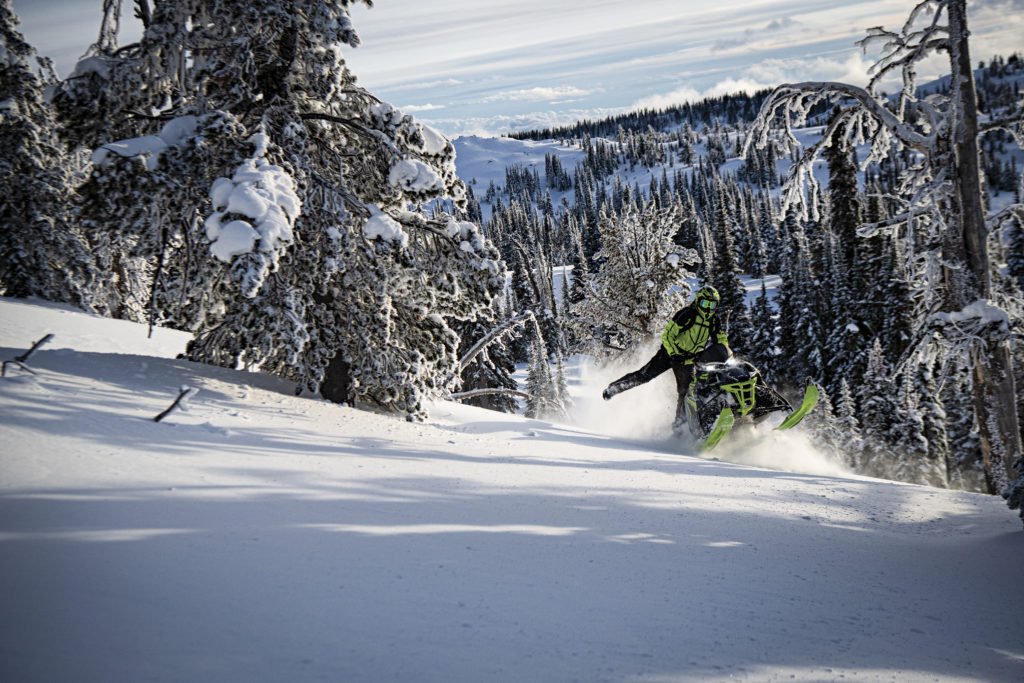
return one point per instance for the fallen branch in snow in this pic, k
(179, 403)
(21, 360)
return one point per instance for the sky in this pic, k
(471, 67)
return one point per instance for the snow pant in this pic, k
(661, 362)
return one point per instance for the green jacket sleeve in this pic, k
(668, 337)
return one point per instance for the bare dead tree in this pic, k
(961, 319)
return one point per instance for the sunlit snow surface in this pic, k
(262, 536)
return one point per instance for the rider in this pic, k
(690, 331)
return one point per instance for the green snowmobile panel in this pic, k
(723, 425)
(810, 400)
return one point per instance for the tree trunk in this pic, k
(995, 396)
(337, 383)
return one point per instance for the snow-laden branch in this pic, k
(476, 393)
(494, 335)
(1013, 211)
(794, 101)
(358, 127)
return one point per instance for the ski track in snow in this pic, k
(261, 536)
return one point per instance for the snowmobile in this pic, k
(725, 390)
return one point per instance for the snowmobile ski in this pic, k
(810, 400)
(723, 425)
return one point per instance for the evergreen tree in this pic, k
(908, 441)
(642, 280)
(493, 368)
(801, 337)
(763, 338)
(283, 201)
(849, 426)
(933, 416)
(845, 205)
(724, 272)
(547, 392)
(880, 415)
(965, 465)
(826, 429)
(41, 251)
(1014, 239)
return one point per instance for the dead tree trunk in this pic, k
(995, 397)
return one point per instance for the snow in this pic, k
(412, 175)
(148, 147)
(179, 130)
(92, 65)
(384, 227)
(260, 191)
(434, 143)
(174, 133)
(234, 239)
(263, 536)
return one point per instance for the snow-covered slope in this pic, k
(266, 537)
(484, 160)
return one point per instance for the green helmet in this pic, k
(706, 299)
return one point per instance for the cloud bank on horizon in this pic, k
(466, 67)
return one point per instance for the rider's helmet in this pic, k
(706, 299)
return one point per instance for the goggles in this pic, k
(708, 304)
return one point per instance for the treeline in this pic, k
(724, 109)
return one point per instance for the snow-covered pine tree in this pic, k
(546, 391)
(299, 216)
(42, 253)
(879, 415)
(762, 343)
(965, 466)
(822, 424)
(724, 273)
(942, 217)
(642, 280)
(1014, 240)
(933, 416)
(909, 443)
(847, 329)
(800, 337)
(530, 242)
(848, 424)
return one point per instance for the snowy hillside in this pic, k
(266, 537)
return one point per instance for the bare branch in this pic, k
(22, 360)
(179, 403)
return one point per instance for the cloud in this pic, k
(414, 108)
(539, 94)
(424, 85)
(750, 35)
(765, 74)
(670, 99)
